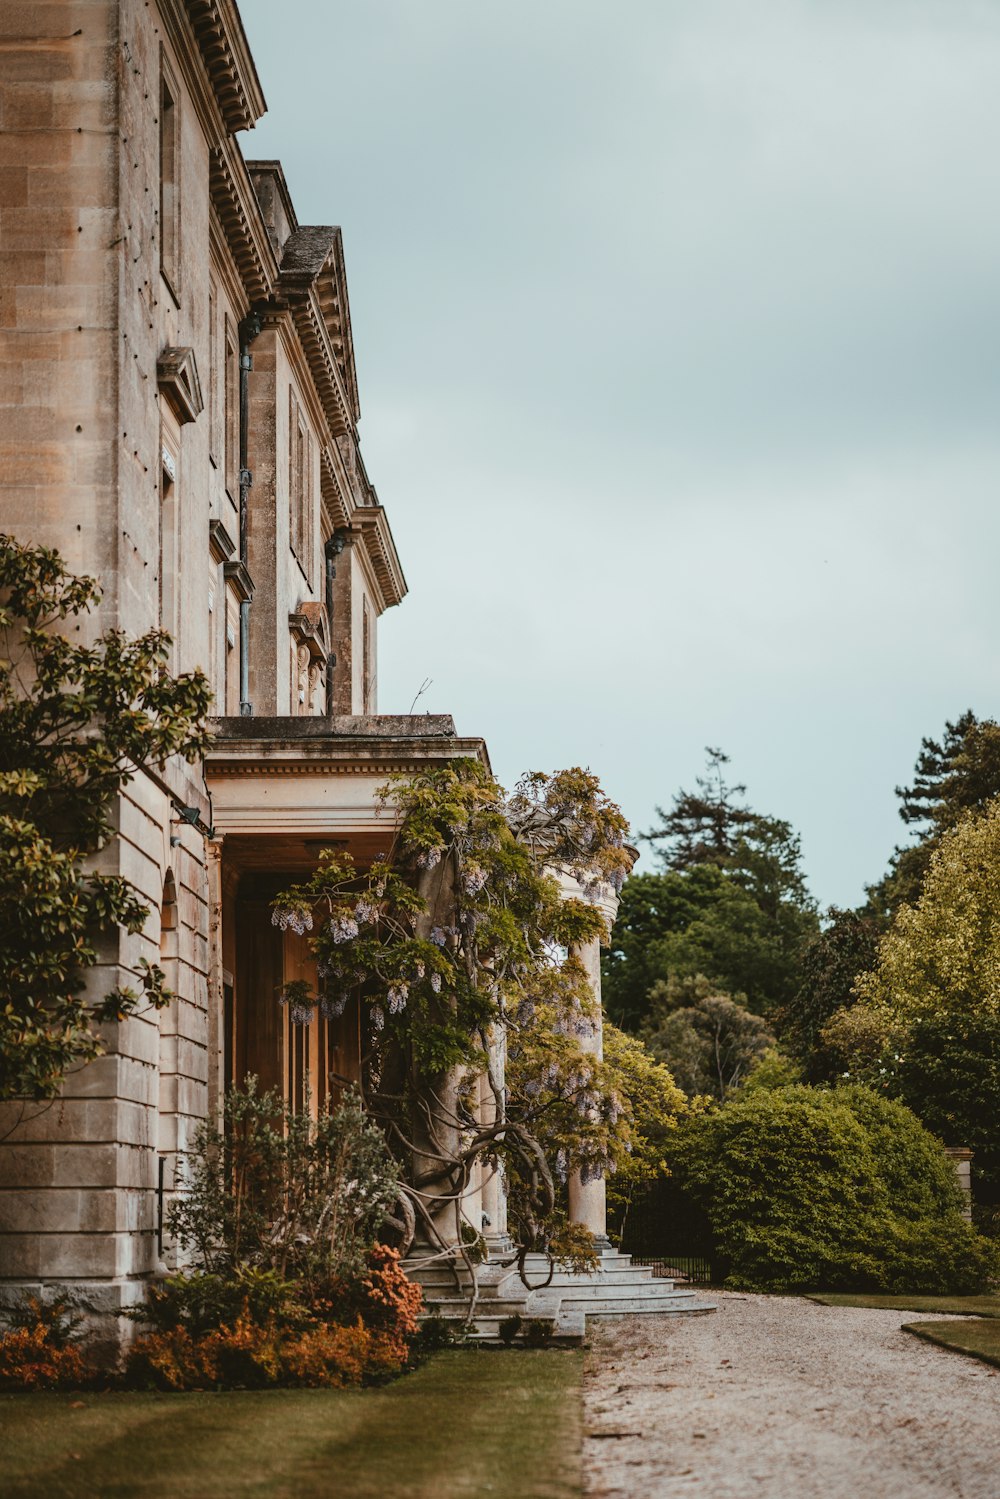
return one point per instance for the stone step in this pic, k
(690, 1305)
(562, 1279)
(584, 1290)
(609, 1259)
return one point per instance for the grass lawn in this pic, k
(468, 1423)
(980, 1339)
(965, 1306)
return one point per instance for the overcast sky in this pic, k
(677, 326)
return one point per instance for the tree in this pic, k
(956, 775)
(459, 946)
(703, 826)
(655, 1105)
(685, 924)
(77, 722)
(936, 987)
(708, 1040)
(731, 903)
(829, 966)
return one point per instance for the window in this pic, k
(299, 485)
(231, 417)
(170, 162)
(167, 570)
(213, 373)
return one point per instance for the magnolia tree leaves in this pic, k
(77, 722)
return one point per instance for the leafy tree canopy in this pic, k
(954, 775)
(731, 903)
(77, 722)
(829, 966)
(935, 992)
(708, 1040)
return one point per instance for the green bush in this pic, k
(201, 1301)
(809, 1188)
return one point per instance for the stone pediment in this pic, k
(309, 628)
(177, 377)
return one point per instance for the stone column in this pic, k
(494, 1193)
(588, 1200)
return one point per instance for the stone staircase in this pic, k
(616, 1288)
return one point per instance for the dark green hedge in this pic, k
(830, 1189)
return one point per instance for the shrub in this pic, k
(385, 1300)
(36, 1353)
(201, 1302)
(249, 1356)
(275, 1190)
(251, 1330)
(809, 1188)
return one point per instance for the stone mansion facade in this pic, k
(180, 419)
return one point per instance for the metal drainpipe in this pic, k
(333, 548)
(249, 329)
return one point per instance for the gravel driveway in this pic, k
(776, 1398)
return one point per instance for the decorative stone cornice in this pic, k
(177, 378)
(239, 214)
(221, 544)
(228, 62)
(371, 523)
(312, 262)
(235, 573)
(309, 627)
(315, 340)
(336, 496)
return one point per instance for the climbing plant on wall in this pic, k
(463, 947)
(77, 722)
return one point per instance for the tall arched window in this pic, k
(167, 1069)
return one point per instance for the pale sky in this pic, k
(677, 326)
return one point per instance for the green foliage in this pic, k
(809, 1188)
(936, 989)
(202, 1301)
(77, 722)
(287, 1197)
(954, 777)
(829, 966)
(700, 922)
(709, 1041)
(731, 903)
(774, 1070)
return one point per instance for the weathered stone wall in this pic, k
(86, 315)
(98, 460)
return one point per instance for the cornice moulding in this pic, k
(228, 62)
(221, 544)
(239, 214)
(236, 573)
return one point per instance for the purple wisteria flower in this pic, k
(473, 878)
(287, 917)
(343, 929)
